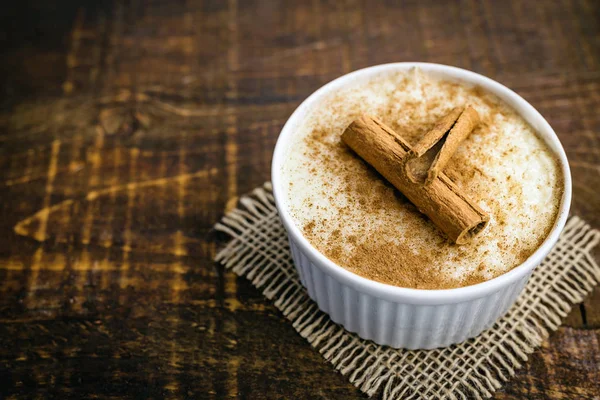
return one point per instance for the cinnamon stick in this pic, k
(428, 158)
(421, 157)
(442, 201)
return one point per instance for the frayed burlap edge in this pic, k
(475, 368)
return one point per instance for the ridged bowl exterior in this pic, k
(397, 324)
(401, 317)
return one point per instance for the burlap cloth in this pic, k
(259, 251)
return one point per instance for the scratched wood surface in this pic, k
(128, 128)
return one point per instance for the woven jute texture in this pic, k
(476, 368)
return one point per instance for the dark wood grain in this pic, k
(128, 128)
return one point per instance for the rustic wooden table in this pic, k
(128, 128)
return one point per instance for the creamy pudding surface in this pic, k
(353, 216)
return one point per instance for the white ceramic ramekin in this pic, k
(401, 317)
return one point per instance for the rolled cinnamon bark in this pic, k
(428, 158)
(441, 200)
(460, 131)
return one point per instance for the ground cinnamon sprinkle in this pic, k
(394, 243)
